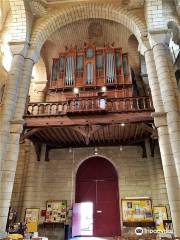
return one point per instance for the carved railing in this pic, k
(89, 105)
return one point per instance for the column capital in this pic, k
(159, 37)
(144, 45)
(19, 47)
(33, 54)
(160, 119)
(16, 126)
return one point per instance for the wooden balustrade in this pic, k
(90, 105)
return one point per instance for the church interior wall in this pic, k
(30, 22)
(36, 182)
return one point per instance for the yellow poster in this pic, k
(160, 214)
(137, 210)
(31, 218)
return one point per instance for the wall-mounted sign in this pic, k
(137, 210)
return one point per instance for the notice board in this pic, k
(137, 210)
(56, 211)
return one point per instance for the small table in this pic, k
(53, 225)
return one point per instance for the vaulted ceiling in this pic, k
(99, 31)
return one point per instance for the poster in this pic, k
(56, 211)
(31, 218)
(137, 210)
(160, 214)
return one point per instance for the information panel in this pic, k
(56, 211)
(160, 214)
(137, 210)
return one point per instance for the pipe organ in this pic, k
(89, 70)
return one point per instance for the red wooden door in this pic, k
(97, 182)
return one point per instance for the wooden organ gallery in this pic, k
(90, 98)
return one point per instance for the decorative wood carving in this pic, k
(86, 131)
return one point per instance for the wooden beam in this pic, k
(29, 133)
(136, 131)
(52, 121)
(138, 142)
(37, 146)
(48, 148)
(86, 132)
(152, 146)
(149, 129)
(144, 153)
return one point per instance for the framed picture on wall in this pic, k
(137, 210)
(56, 211)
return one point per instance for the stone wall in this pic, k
(36, 182)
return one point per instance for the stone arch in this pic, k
(133, 52)
(135, 63)
(38, 82)
(50, 23)
(21, 20)
(96, 178)
(98, 155)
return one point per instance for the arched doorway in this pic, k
(97, 182)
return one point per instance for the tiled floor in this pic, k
(90, 238)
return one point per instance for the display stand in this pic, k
(56, 212)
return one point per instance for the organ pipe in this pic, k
(93, 66)
(69, 79)
(110, 68)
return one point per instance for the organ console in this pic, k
(90, 72)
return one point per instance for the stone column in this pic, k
(9, 103)
(9, 163)
(169, 168)
(7, 112)
(19, 50)
(24, 88)
(8, 172)
(169, 93)
(20, 178)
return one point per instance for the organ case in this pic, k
(89, 69)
